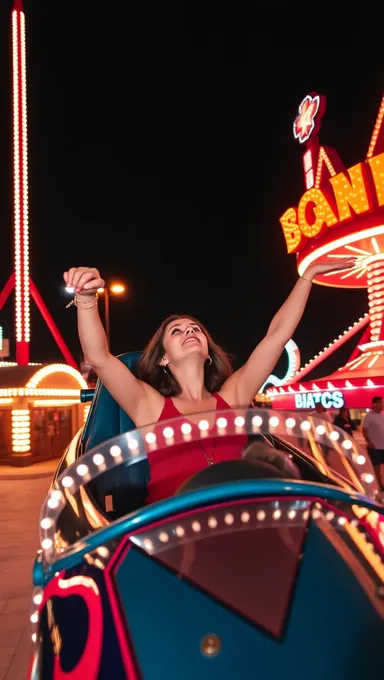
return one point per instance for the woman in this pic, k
(344, 421)
(184, 372)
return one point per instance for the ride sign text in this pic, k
(357, 191)
(327, 399)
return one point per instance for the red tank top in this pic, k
(171, 467)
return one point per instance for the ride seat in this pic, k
(123, 489)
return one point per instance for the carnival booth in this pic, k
(40, 411)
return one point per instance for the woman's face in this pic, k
(182, 338)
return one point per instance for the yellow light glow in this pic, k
(38, 392)
(323, 158)
(377, 169)
(21, 436)
(350, 191)
(4, 364)
(117, 288)
(292, 233)
(322, 213)
(55, 402)
(376, 130)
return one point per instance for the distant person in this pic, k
(344, 421)
(183, 371)
(373, 431)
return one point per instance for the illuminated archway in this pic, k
(55, 368)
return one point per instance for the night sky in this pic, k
(165, 159)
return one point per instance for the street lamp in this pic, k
(115, 289)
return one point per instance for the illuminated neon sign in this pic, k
(326, 399)
(360, 188)
(293, 366)
(308, 117)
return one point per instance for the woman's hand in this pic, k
(329, 265)
(83, 280)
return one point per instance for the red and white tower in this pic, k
(20, 280)
(20, 186)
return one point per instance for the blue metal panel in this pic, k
(332, 630)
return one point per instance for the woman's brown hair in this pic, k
(162, 380)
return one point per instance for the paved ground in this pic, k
(21, 496)
(44, 469)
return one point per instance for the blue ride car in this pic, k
(268, 567)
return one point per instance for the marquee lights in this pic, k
(323, 158)
(345, 385)
(46, 392)
(20, 186)
(320, 208)
(377, 169)
(351, 189)
(55, 368)
(21, 436)
(337, 342)
(376, 129)
(6, 364)
(375, 280)
(32, 388)
(345, 242)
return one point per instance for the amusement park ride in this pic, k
(340, 214)
(26, 387)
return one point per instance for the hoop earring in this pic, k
(165, 370)
(209, 361)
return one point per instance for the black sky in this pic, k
(165, 159)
